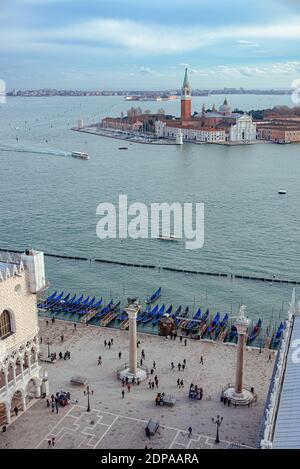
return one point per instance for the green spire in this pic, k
(186, 83)
(225, 101)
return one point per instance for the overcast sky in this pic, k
(145, 44)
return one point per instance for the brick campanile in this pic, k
(186, 101)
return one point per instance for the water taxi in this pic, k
(80, 154)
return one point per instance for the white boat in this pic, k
(167, 238)
(80, 154)
(281, 191)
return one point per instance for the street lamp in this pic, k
(88, 392)
(217, 422)
(48, 343)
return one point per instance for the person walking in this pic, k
(62, 337)
(143, 354)
(16, 411)
(185, 342)
(49, 443)
(53, 441)
(53, 405)
(181, 384)
(190, 430)
(180, 338)
(184, 361)
(141, 361)
(270, 358)
(178, 383)
(105, 343)
(183, 367)
(201, 360)
(100, 360)
(75, 325)
(154, 365)
(109, 344)
(128, 387)
(179, 366)
(111, 341)
(123, 393)
(120, 355)
(172, 366)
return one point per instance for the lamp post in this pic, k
(88, 392)
(48, 343)
(217, 422)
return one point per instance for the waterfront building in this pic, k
(279, 131)
(244, 129)
(21, 278)
(189, 133)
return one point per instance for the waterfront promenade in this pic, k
(120, 422)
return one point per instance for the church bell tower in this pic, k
(186, 101)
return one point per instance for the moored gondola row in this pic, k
(202, 325)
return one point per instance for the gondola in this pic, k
(221, 325)
(179, 318)
(213, 323)
(150, 315)
(194, 323)
(87, 307)
(154, 297)
(105, 309)
(278, 335)
(232, 334)
(68, 304)
(75, 305)
(43, 304)
(81, 306)
(54, 301)
(176, 313)
(255, 332)
(158, 315)
(142, 314)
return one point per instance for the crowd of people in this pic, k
(195, 392)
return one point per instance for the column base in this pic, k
(239, 398)
(126, 373)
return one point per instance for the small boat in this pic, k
(255, 331)
(181, 317)
(142, 314)
(158, 315)
(124, 325)
(123, 148)
(167, 238)
(194, 323)
(81, 155)
(282, 192)
(232, 334)
(278, 335)
(176, 313)
(43, 304)
(154, 297)
(213, 323)
(150, 315)
(220, 327)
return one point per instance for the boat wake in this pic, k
(40, 151)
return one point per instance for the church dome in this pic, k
(225, 108)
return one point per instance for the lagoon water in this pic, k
(49, 199)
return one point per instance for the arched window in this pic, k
(5, 324)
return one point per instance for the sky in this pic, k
(146, 44)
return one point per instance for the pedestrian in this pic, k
(151, 371)
(185, 342)
(75, 325)
(109, 344)
(190, 431)
(56, 406)
(111, 341)
(175, 335)
(201, 360)
(62, 337)
(141, 361)
(172, 366)
(154, 365)
(53, 441)
(179, 366)
(143, 354)
(47, 322)
(16, 411)
(123, 393)
(53, 405)
(180, 338)
(156, 382)
(224, 400)
(149, 384)
(178, 382)
(128, 387)
(181, 384)
(184, 361)
(120, 355)
(48, 403)
(183, 367)
(41, 340)
(138, 344)
(228, 402)
(270, 358)
(105, 343)
(49, 443)
(100, 361)
(123, 382)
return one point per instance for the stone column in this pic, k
(22, 367)
(14, 374)
(132, 312)
(241, 325)
(6, 380)
(24, 402)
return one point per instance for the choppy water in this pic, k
(48, 201)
